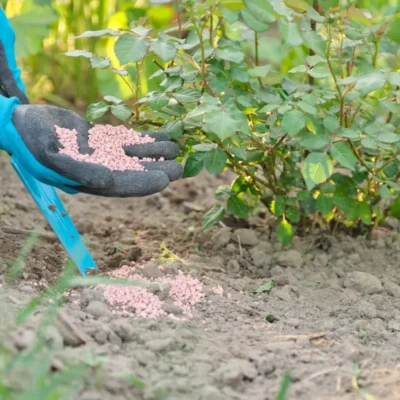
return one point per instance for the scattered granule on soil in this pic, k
(138, 302)
(133, 302)
(108, 143)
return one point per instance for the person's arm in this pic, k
(7, 37)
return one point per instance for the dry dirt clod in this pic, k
(245, 237)
(363, 282)
(98, 309)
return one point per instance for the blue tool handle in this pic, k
(52, 208)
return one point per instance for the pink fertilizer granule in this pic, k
(108, 143)
(137, 302)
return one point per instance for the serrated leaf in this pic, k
(230, 54)
(331, 123)
(194, 165)
(364, 212)
(165, 50)
(370, 82)
(252, 22)
(388, 137)
(79, 53)
(266, 288)
(259, 72)
(158, 102)
(173, 129)
(314, 14)
(215, 215)
(121, 111)
(299, 68)
(348, 133)
(187, 95)
(395, 209)
(96, 110)
(141, 30)
(205, 146)
(308, 108)
(215, 161)
(121, 71)
(314, 60)
(319, 72)
(233, 4)
(230, 15)
(293, 214)
(129, 49)
(100, 62)
(300, 6)
(261, 10)
(343, 155)
(268, 108)
(393, 32)
(316, 169)
(113, 99)
(324, 204)
(293, 122)
(222, 123)
(238, 207)
(285, 233)
(103, 32)
(314, 42)
(239, 74)
(384, 192)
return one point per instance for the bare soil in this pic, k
(333, 318)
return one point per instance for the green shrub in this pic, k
(300, 101)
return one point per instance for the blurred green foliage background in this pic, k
(46, 29)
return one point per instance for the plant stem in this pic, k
(137, 91)
(179, 16)
(313, 28)
(256, 44)
(203, 55)
(359, 158)
(392, 158)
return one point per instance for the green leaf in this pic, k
(113, 99)
(308, 108)
(364, 212)
(194, 165)
(79, 53)
(173, 129)
(233, 4)
(324, 204)
(252, 22)
(347, 205)
(293, 214)
(222, 123)
(395, 209)
(314, 60)
(388, 137)
(158, 102)
(393, 32)
(215, 161)
(266, 288)
(290, 33)
(230, 15)
(187, 95)
(239, 74)
(285, 233)
(103, 32)
(259, 72)
(319, 72)
(100, 62)
(314, 42)
(300, 6)
(121, 111)
(96, 110)
(140, 30)
(261, 10)
(215, 215)
(331, 123)
(348, 133)
(316, 169)
(129, 49)
(384, 192)
(205, 147)
(300, 68)
(342, 154)
(278, 206)
(370, 82)
(165, 50)
(314, 15)
(230, 54)
(238, 207)
(293, 122)
(121, 71)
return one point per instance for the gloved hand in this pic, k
(28, 134)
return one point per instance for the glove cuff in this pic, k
(7, 107)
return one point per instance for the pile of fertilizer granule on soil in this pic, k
(161, 295)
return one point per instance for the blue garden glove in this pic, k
(28, 134)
